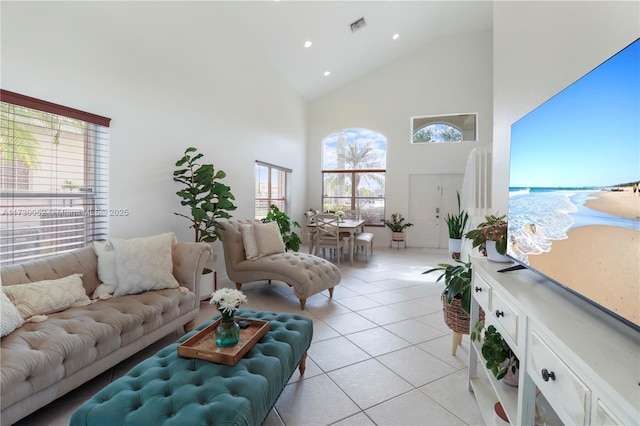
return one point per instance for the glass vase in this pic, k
(227, 332)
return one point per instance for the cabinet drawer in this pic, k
(566, 393)
(507, 317)
(481, 292)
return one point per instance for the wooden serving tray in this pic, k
(203, 344)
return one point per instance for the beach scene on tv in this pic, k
(574, 200)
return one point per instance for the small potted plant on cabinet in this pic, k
(456, 225)
(397, 225)
(490, 237)
(499, 357)
(456, 298)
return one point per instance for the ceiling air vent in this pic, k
(360, 23)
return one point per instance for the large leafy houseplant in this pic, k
(494, 228)
(457, 280)
(207, 198)
(291, 239)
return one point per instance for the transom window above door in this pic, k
(444, 128)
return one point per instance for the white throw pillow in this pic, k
(144, 264)
(249, 240)
(46, 297)
(268, 238)
(11, 318)
(106, 269)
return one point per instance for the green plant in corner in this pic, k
(498, 355)
(207, 198)
(457, 279)
(397, 223)
(291, 239)
(494, 228)
(457, 223)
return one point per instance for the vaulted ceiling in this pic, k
(279, 29)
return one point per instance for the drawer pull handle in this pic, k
(546, 375)
(499, 313)
(478, 289)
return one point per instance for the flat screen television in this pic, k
(574, 207)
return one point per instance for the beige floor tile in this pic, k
(378, 341)
(452, 393)
(412, 408)
(316, 401)
(416, 366)
(349, 323)
(357, 380)
(413, 331)
(336, 353)
(358, 303)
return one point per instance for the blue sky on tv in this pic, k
(588, 134)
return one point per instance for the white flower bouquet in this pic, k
(227, 300)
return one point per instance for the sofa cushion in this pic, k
(48, 296)
(11, 318)
(249, 240)
(106, 269)
(144, 264)
(268, 238)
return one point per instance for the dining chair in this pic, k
(327, 235)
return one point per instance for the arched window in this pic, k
(437, 132)
(354, 165)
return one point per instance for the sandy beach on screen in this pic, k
(600, 262)
(621, 203)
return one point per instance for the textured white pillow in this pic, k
(268, 238)
(144, 264)
(11, 318)
(249, 240)
(106, 269)
(45, 297)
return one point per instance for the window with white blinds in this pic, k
(53, 179)
(273, 186)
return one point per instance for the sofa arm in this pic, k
(189, 260)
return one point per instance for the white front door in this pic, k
(431, 198)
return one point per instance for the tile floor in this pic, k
(381, 353)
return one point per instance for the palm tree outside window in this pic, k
(353, 171)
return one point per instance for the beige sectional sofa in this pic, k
(41, 361)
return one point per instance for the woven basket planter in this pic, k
(456, 318)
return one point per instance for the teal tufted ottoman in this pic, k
(170, 390)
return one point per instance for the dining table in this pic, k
(350, 226)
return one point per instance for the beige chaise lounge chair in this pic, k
(306, 273)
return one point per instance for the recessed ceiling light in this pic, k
(307, 43)
(327, 73)
(395, 36)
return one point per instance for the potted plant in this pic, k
(456, 225)
(291, 240)
(499, 357)
(456, 297)
(491, 238)
(397, 226)
(208, 200)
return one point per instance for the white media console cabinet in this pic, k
(578, 365)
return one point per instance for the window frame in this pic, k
(353, 197)
(282, 200)
(37, 222)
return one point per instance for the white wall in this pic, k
(449, 75)
(169, 79)
(539, 49)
